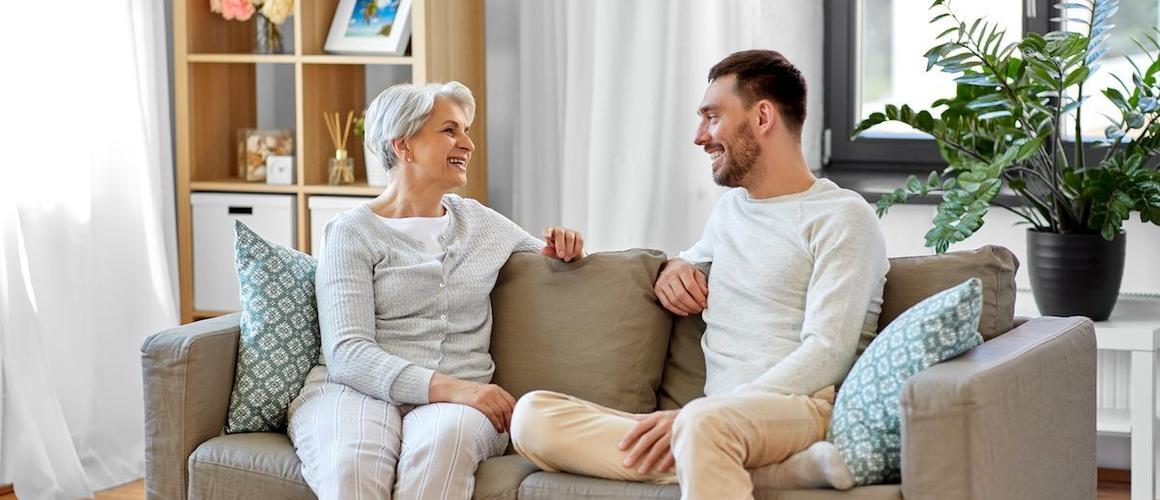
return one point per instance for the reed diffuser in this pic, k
(341, 165)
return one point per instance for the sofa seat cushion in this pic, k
(246, 466)
(591, 328)
(499, 478)
(562, 486)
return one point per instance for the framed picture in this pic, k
(371, 27)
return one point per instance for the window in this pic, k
(1135, 20)
(875, 50)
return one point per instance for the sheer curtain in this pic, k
(606, 109)
(84, 265)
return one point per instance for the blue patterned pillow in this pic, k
(866, 427)
(280, 340)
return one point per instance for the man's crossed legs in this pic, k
(716, 441)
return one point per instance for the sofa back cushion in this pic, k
(913, 279)
(592, 328)
(910, 281)
(684, 376)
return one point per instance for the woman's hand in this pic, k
(563, 244)
(490, 399)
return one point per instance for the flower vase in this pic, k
(269, 37)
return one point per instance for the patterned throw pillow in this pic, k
(280, 340)
(866, 427)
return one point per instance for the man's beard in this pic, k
(740, 159)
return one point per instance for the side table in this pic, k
(1133, 327)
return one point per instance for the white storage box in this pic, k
(215, 281)
(324, 208)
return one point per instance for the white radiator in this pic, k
(1112, 380)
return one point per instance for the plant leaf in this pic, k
(995, 114)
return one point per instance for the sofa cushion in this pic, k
(279, 332)
(561, 486)
(866, 425)
(247, 465)
(499, 478)
(684, 375)
(591, 328)
(912, 279)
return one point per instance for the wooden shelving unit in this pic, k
(215, 95)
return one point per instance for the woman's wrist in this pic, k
(442, 387)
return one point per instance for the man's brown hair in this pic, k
(766, 74)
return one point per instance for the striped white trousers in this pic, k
(353, 446)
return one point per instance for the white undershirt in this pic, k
(425, 230)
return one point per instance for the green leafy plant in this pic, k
(1004, 127)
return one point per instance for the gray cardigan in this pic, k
(390, 318)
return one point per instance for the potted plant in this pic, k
(1004, 128)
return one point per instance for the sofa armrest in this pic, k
(188, 375)
(1012, 418)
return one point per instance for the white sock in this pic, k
(819, 466)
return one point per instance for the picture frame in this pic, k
(370, 27)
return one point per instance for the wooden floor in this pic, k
(136, 491)
(1114, 491)
(132, 491)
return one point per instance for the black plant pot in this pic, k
(1075, 274)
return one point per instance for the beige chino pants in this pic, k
(714, 440)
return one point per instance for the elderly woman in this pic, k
(403, 404)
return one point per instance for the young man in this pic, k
(798, 270)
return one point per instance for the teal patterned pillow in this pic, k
(280, 341)
(866, 427)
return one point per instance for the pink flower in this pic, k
(240, 10)
(215, 6)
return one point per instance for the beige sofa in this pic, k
(1013, 418)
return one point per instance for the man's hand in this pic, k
(649, 442)
(490, 399)
(682, 288)
(563, 244)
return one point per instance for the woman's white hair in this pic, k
(399, 112)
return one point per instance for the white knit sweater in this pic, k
(796, 280)
(391, 316)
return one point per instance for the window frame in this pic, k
(888, 156)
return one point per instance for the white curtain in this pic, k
(85, 274)
(606, 109)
